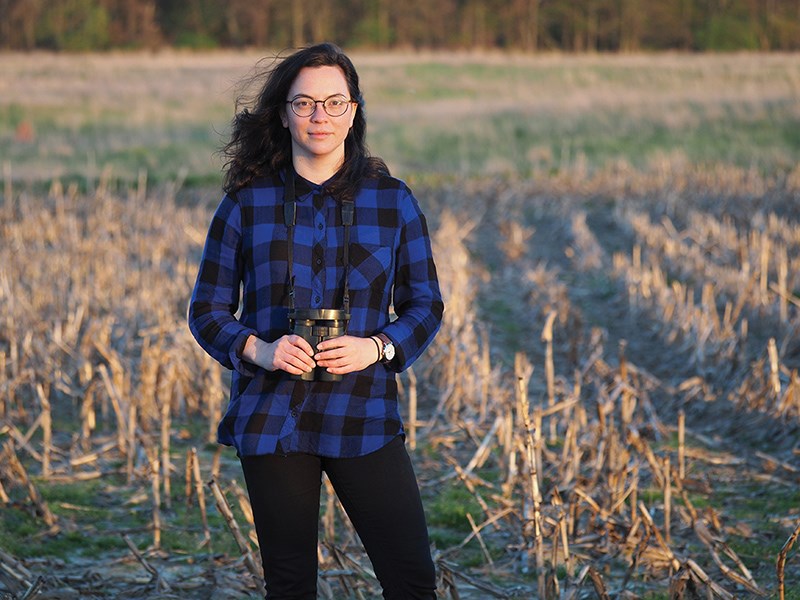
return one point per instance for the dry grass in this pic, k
(554, 434)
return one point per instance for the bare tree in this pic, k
(320, 20)
(298, 24)
(630, 25)
(18, 25)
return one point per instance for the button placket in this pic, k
(318, 253)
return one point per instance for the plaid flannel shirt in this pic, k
(391, 266)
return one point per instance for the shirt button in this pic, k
(316, 299)
(320, 226)
(294, 413)
(319, 261)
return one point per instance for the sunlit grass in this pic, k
(72, 115)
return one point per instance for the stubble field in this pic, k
(612, 405)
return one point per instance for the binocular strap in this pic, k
(290, 219)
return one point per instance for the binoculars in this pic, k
(315, 325)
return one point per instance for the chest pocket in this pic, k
(370, 266)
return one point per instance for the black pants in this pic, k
(380, 494)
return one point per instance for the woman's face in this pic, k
(319, 138)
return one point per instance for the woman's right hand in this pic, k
(290, 353)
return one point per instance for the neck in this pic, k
(316, 170)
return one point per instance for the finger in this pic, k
(301, 355)
(299, 359)
(335, 363)
(292, 358)
(296, 366)
(298, 352)
(300, 342)
(290, 368)
(286, 362)
(350, 361)
(330, 355)
(337, 342)
(341, 370)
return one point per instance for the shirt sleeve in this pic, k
(215, 298)
(417, 299)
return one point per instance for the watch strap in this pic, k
(386, 341)
(379, 344)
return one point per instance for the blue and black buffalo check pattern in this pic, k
(241, 289)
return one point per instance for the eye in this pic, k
(302, 103)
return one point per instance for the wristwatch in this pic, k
(387, 353)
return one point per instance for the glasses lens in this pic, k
(335, 105)
(303, 107)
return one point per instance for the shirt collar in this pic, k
(303, 187)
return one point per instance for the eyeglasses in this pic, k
(304, 106)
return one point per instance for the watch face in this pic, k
(388, 351)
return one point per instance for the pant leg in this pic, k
(380, 494)
(284, 493)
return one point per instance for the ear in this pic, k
(284, 119)
(353, 115)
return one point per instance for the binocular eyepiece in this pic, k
(315, 325)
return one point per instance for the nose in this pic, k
(319, 113)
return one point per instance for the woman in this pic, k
(310, 222)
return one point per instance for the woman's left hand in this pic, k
(346, 354)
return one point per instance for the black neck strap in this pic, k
(290, 220)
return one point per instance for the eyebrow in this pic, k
(296, 96)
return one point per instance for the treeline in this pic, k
(524, 25)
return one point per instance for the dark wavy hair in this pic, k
(260, 145)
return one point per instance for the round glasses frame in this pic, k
(334, 106)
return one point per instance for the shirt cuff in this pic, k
(239, 364)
